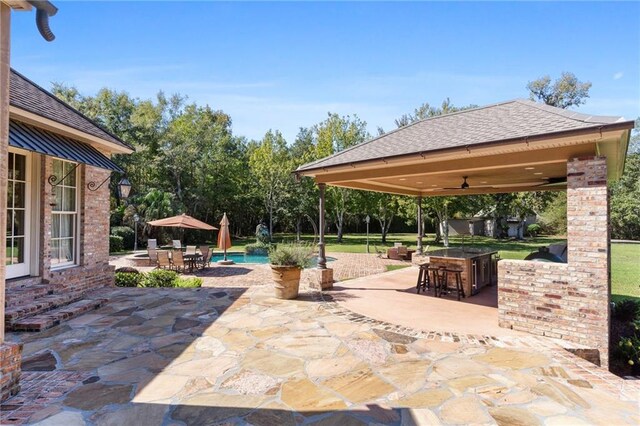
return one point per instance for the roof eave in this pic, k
(57, 127)
(622, 125)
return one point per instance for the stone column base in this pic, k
(10, 363)
(322, 279)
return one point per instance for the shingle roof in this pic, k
(503, 121)
(26, 95)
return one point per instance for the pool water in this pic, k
(252, 258)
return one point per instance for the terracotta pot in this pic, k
(287, 281)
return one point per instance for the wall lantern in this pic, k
(124, 186)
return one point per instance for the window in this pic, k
(64, 215)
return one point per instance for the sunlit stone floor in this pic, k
(236, 355)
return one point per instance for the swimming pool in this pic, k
(252, 258)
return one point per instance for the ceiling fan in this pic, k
(464, 185)
(554, 182)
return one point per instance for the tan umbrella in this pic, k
(224, 237)
(182, 221)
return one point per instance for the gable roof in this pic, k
(28, 96)
(505, 122)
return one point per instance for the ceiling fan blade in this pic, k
(554, 182)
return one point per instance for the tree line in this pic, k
(188, 160)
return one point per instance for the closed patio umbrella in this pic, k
(224, 239)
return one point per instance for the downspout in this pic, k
(44, 10)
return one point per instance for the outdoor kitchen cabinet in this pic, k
(477, 266)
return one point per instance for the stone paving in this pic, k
(236, 355)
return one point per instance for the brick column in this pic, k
(10, 353)
(567, 301)
(589, 248)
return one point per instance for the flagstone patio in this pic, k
(236, 355)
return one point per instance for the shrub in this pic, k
(129, 269)
(629, 350)
(627, 310)
(115, 244)
(127, 234)
(291, 255)
(257, 248)
(160, 278)
(189, 282)
(128, 279)
(533, 229)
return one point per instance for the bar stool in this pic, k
(423, 278)
(444, 285)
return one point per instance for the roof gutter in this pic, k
(623, 125)
(44, 10)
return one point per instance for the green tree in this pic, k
(566, 91)
(333, 135)
(271, 167)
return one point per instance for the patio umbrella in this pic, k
(182, 221)
(224, 238)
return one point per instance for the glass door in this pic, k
(18, 213)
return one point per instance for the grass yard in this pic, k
(625, 258)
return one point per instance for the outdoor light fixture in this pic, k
(124, 186)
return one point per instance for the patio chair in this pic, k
(206, 256)
(153, 256)
(176, 244)
(163, 259)
(152, 243)
(178, 261)
(379, 251)
(190, 250)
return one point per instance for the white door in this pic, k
(18, 214)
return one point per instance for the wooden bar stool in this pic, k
(444, 285)
(423, 278)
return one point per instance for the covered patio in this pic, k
(513, 146)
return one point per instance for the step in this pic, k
(18, 295)
(38, 306)
(54, 317)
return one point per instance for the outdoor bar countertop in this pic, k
(460, 253)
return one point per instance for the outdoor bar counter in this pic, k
(478, 266)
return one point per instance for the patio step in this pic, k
(54, 317)
(20, 295)
(21, 308)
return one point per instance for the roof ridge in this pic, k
(449, 114)
(66, 105)
(566, 113)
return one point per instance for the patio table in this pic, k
(191, 259)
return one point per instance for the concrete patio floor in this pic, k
(391, 297)
(236, 355)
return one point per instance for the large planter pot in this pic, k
(287, 281)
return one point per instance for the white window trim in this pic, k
(76, 243)
(29, 207)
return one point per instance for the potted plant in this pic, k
(287, 262)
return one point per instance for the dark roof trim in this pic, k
(622, 125)
(44, 142)
(110, 137)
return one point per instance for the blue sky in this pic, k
(285, 65)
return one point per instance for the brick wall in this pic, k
(93, 269)
(10, 362)
(568, 301)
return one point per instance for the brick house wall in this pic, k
(568, 301)
(93, 269)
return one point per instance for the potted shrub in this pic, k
(287, 262)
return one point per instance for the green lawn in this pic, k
(625, 258)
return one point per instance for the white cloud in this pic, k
(618, 75)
